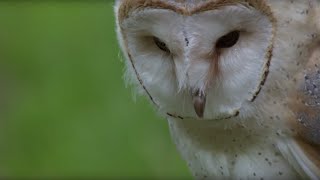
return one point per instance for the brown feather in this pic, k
(187, 8)
(312, 151)
(304, 103)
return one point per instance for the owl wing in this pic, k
(304, 150)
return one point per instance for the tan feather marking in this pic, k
(305, 122)
(214, 69)
(216, 63)
(306, 151)
(128, 6)
(304, 101)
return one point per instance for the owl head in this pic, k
(210, 59)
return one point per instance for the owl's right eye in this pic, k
(228, 40)
(161, 45)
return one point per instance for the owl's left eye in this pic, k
(161, 45)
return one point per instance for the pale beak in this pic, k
(199, 102)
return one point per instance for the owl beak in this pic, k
(199, 102)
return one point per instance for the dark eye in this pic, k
(161, 45)
(228, 40)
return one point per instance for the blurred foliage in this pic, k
(64, 108)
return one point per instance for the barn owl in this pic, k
(237, 80)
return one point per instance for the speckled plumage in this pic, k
(260, 97)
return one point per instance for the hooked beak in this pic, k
(199, 102)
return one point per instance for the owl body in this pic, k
(230, 76)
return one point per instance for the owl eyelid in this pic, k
(161, 45)
(228, 40)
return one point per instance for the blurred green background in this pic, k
(64, 108)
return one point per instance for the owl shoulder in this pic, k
(304, 102)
